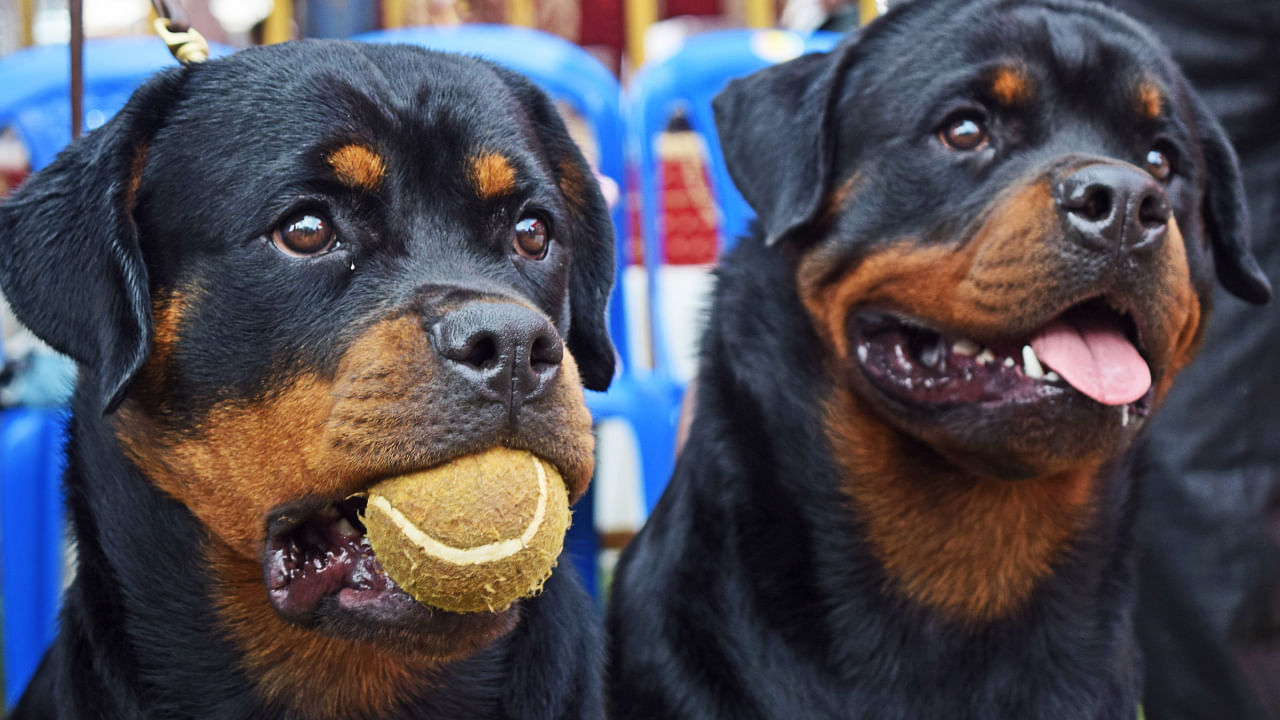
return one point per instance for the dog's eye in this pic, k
(967, 131)
(531, 238)
(305, 235)
(1160, 162)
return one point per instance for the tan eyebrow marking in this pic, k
(492, 175)
(1150, 99)
(358, 167)
(1011, 85)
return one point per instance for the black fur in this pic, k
(222, 153)
(753, 590)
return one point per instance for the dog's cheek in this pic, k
(241, 460)
(565, 420)
(153, 385)
(986, 283)
(1179, 309)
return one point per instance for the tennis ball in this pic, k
(474, 534)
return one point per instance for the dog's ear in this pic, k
(775, 127)
(72, 268)
(590, 236)
(1226, 218)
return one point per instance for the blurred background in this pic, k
(634, 79)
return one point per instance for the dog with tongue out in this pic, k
(987, 241)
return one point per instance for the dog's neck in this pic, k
(970, 547)
(948, 564)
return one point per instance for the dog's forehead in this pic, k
(280, 105)
(255, 129)
(1022, 49)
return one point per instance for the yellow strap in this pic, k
(868, 10)
(188, 46)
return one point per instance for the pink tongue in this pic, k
(1095, 357)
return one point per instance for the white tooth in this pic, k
(1124, 415)
(345, 528)
(903, 362)
(1009, 362)
(986, 357)
(1052, 376)
(862, 353)
(1031, 363)
(965, 347)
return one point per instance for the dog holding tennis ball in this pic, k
(334, 306)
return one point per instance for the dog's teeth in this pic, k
(986, 357)
(344, 528)
(1124, 415)
(862, 353)
(1052, 376)
(935, 356)
(1031, 364)
(1009, 362)
(967, 348)
(903, 362)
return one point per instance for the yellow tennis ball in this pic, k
(474, 534)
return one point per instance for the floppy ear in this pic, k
(775, 127)
(1226, 218)
(590, 236)
(72, 269)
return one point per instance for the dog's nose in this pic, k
(507, 353)
(1114, 207)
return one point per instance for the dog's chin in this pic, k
(990, 408)
(321, 574)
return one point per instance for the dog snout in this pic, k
(505, 352)
(1113, 208)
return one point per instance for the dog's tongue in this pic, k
(1095, 357)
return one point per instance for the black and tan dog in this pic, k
(287, 274)
(989, 231)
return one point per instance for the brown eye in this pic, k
(305, 236)
(1159, 163)
(531, 238)
(965, 132)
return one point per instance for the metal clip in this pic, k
(188, 46)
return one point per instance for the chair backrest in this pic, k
(31, 538)
(687, 81)
(568, 74)
(35, 82)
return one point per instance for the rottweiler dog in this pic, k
(286, 274)
(987, 237)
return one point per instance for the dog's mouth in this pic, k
(318, 554)
(1092, 349)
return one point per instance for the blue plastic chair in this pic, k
(571, 75)
(687, 81)
(31, 537)
(34, 101)
(34, 88)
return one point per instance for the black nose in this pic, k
(1114, 207)
(507, 353)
